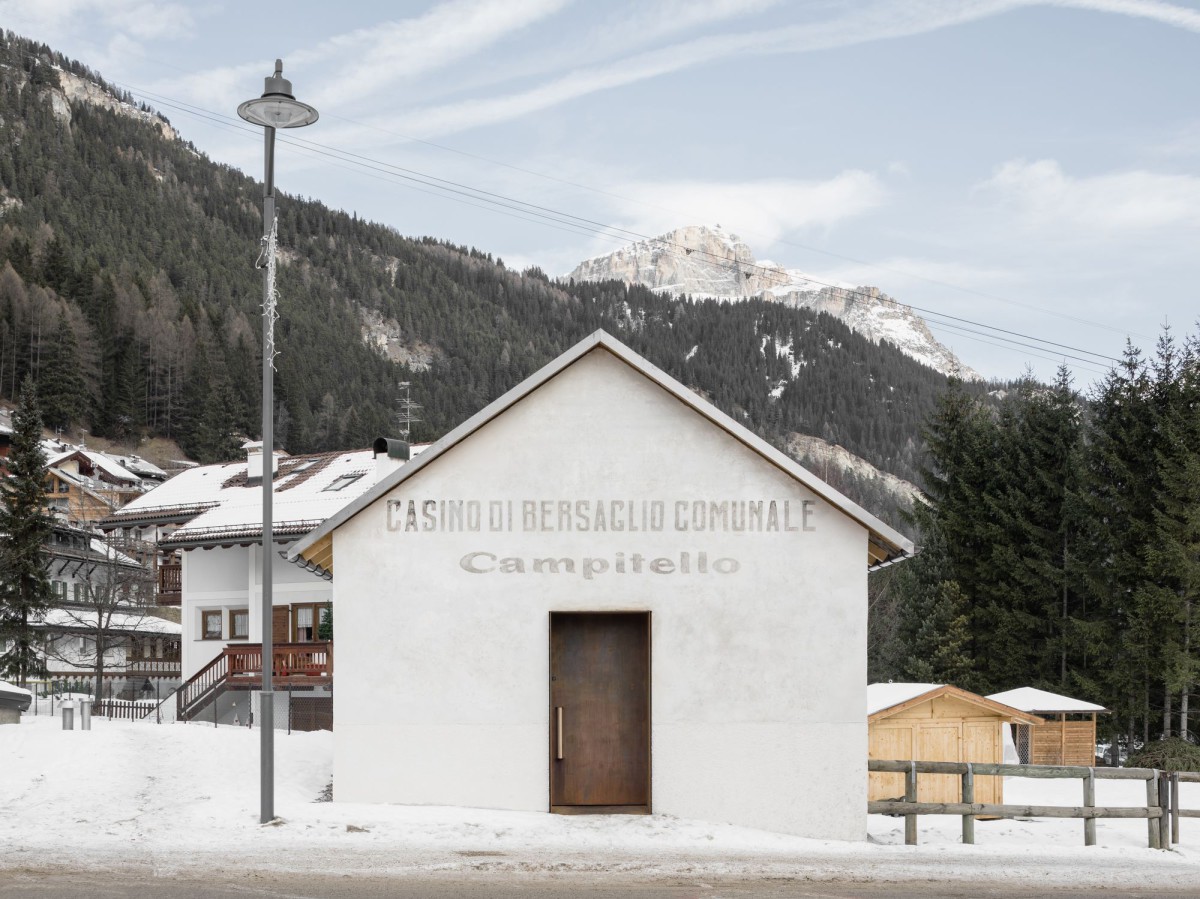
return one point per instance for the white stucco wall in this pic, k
(225, 578)
(757, 675)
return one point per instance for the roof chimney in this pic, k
(254, 461)
(390, 454)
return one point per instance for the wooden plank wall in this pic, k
(1063, 743)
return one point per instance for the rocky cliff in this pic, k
(707, 262)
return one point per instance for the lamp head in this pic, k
(277, 107)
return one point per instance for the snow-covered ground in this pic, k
(177, 798)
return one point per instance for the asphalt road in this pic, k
(276, 885)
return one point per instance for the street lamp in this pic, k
(276, 108)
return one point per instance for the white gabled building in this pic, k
(645, 609)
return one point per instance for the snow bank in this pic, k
(178, 798)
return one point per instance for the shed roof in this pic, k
(884, 696)
(1031, 699)
(884, 700)
(884, 544)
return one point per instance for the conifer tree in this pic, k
(25, 527)
(1118, 502)
(961, 442)
(61, 390)
(1173, 553)
(934, 627)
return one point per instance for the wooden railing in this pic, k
(291, 661)
(165, 666)
(202, 688)
(1159, 810)
(170, 583)
(240, 666)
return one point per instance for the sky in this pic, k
(1032, 167)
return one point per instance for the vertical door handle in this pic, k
(559, 743)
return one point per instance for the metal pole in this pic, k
(266, 708)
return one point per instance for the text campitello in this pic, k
(588, 567)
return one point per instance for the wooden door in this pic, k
(888, 742)
(281, 624)
(938, 741)
(982, 742)
(600, 712)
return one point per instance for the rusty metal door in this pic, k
(600, 712)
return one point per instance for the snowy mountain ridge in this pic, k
(711, 263)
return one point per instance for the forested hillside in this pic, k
(128, 291)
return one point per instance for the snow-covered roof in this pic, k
(133, 622)
(139, 466)
(6, 687)
(1031, 699)
(884, 696)
(216, 503)
(110, 466)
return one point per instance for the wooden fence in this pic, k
(1162, 809)
(123, 709)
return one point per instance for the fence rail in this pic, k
(1162, 809)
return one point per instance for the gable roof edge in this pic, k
(895, 545)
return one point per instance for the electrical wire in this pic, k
(544, 215)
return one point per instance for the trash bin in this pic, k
(85, 714)
(68, 713)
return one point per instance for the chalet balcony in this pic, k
(239, 667)
(169, 589)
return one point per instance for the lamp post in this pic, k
(276, 108)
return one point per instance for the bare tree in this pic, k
(95, 625)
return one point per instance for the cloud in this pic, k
(775, 206)
(364, 67)
(1164, 13)
(665, 17)
(908, 273)
(861, 25)
(383, 55)
(142, 19)
(1047, 198)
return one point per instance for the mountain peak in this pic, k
(711, 263)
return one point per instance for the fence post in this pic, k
(1164, 803)
(289, 709)
(968, 795)
(910, 795)
(157, 703)
(1152, 826)
(1089, 801)
(1175, 807)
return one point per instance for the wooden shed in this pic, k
(1068, 734)
(937, 723)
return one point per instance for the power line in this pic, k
(566, 221)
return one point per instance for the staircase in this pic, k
(239, 667)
